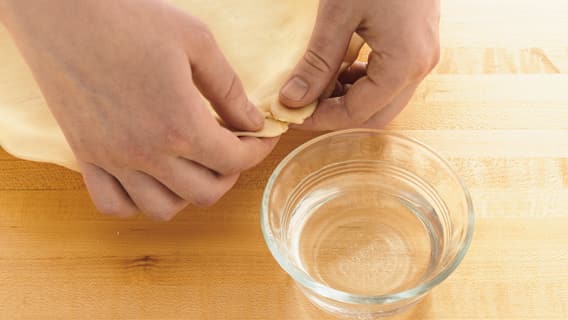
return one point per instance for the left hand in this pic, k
(404, 39)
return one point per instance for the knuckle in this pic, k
(106, 160)
(109, 153)
(316, 63)
(114, 158)
(336, 11)
(176, 139)
(196, 147)
(84, 151)
(419, 52)
(233, 93)
(424, 63)
(435, 58)
(139, 156)
(231, 90)
(421, 68)
(181, 141)
(203, 34)
(424, 57)
(356, 117)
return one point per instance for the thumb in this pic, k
(323, 57)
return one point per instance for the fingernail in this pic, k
(255, 116)
(295, 89)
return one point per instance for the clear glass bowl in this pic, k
(365, 221)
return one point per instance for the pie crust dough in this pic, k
(263, 41)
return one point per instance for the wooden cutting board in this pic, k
(496, 107)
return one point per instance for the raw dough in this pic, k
(263, 40)
(272, 128)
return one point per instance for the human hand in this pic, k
(403, 36)
(123, 79)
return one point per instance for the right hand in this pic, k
(404, 38)
(123, 79)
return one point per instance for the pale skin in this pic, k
(403, 36)
(124, 80)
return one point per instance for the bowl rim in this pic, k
(338, 295)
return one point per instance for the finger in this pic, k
(227, 154)
(106, 192)
(150, 196)
(377, 121)
(219, 83)
(385, 79)
(388, 113)
(353, 50)
(213, 146)
(193, 182)
(322, 59)
(218, 149)
(355, 72)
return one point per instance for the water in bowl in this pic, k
(365, 227)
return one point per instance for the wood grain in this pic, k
(496, 107)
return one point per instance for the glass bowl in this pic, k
(366, 222)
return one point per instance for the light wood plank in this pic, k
(496, 108)
(504, 23)
(487, 102)
(106, 278)
(467, 60)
